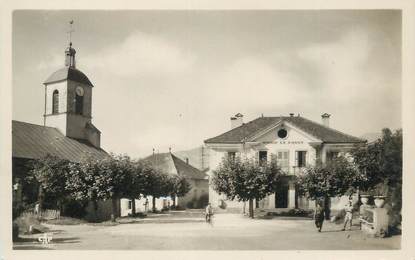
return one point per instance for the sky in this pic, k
(174, 78)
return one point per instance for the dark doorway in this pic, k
(281, 196)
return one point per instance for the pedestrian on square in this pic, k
(208, 213)
(349, 214)
(319, 216)
(146, 205)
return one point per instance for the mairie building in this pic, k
(294, 141)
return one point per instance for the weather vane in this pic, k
(71, 30)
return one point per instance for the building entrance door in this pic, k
(281, 196)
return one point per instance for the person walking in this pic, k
(208, 212)
(319, 216)
(349, 214)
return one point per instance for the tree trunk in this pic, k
(95, 204)
(251, 208)
(133, 210)
(327, 207)
(154, 204)
(60, 206)
(40, 201)
(114, 209)
(174, 201)
(244, 208)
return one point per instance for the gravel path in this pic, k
(228, 232)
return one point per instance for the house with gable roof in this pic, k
(294, 141)
(171, 164)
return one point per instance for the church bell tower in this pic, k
(68, 101)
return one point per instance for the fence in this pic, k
(44, 214)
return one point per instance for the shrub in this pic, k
(293, 213)
(26, 220)
(190, 204)
(177, 207)
(74, 209)
(66, 221)
(222, 204)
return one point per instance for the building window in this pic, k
(130, 204)
(231, 155)
(55, 102)
(262, 157)
(282, 133)
(301, 158)
(332, 155)
(283, 160)
(79, 103)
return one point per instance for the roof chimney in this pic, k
(187, 160)
(237, 120)
(325, 118)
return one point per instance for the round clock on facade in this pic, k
(79, 91)
(282, 133)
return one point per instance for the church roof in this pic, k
(68, 73)
(32, 141)
(245, 131)
(171, 164)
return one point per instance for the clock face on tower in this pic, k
(79, 91)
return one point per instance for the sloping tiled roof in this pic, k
(68, 73)
(173, 165)
(187, 170)
(163, 162)
(32, 141)
(326, 134)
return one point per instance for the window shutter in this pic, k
(273, 158)
(296, 158)
(305, 158)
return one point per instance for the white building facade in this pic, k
(294, 141)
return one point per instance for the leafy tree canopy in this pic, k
(380, 161)
(245, 179)
(337, 177)
(51, 173)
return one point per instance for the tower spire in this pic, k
(70, 31)
(70, 52)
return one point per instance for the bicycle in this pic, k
(209, 218)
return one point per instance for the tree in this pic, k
(51, 173)
(138, 186)
(159, 184)
(245, 180)
(380, 161)
(381, 164)
(180, 187)
(115, 179)
(82, 180)
(335, 178)
(107, 179)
